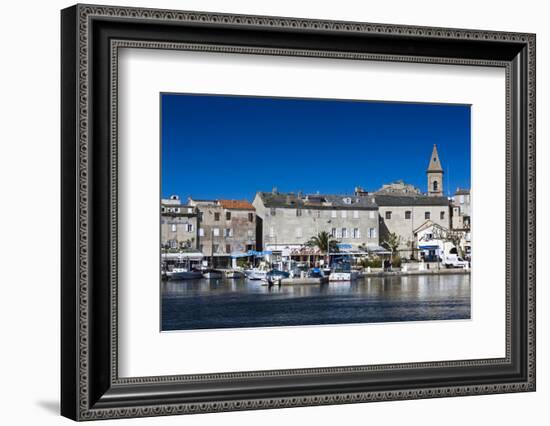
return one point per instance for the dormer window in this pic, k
(347, 200)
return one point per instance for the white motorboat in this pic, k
(343, 276)
(183, 274)
(234, 274)
(212, 274)
(256, 274)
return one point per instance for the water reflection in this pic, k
(193, 304)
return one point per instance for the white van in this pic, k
(450, 257)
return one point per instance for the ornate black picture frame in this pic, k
(91, 387)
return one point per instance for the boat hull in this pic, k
(212, 275)
(257, 275)
(184, 275)
(304, 281)
(234, 275)
(343, 276)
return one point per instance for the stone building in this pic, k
(403, 214)
(240, 226)
(398, 188)
(226, 227)
(435, 175)
(209, 226)
(461, 209)
(287, 221)
(403, 208)
(178, 225)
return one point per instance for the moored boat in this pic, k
(343, 276)
(276, 275)
(212, 274)
(234, 274)
(304, 281)
(256, 274)
(315, 273)
(183, 274)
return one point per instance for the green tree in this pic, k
(456, 238)
(324, 241)
(392, 242)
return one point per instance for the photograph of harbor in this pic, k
(296, 211)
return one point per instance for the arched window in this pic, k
(435, 185)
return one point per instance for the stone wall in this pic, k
(177, 230)
(283, 225)
(225, 236)
(399, 224)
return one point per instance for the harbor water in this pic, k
(216, 304)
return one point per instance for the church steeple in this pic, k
(435, 175)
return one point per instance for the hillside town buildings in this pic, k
(178, 225)
(283, 223)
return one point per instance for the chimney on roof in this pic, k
(360, 191)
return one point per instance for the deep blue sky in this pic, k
(230, 147)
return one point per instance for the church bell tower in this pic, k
(435, 175)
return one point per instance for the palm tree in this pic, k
(324, 241)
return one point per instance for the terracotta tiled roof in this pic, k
(236, 204)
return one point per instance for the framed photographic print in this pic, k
(263, 212)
